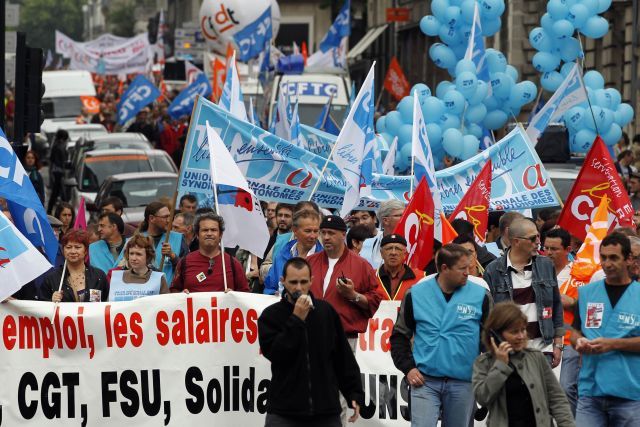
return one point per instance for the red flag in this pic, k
(81, 218)
(448, 232)
(303, 50)
(474, 206)
(417, 227)
(597, 179)
(395, 81)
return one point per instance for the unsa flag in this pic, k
(474, 206)
(417, 227)
(395, 81)
(596, 180)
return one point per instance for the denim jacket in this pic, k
(545, 288)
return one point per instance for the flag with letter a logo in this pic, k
(417, 226)
(597, 179)
(395, 81)
(474, 206)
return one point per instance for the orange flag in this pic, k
(448, 232)
(395, 81)
(474, 206)
(91, 104)
(219, 72)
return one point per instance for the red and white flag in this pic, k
(474, 205)
(417, 227)
(395, 81)
(597, 179)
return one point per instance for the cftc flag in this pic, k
(140, 93)
(183, 103)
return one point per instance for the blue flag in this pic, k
(140, 93)
(476, 49)
(183, 103)
(332, 51)
(325, 122)
(251, 40)
(29, 216)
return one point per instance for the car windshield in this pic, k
(75, 134)
(162, 163)
(97, 169)
(69, 106)
(141, 192)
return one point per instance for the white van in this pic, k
(314, 90)
(61, 101)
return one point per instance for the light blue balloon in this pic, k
(490, 27)
(432, 109)
(595, 27)
(573, 118)
(624, 114)
(512, 72)
(465, 65)
(557, 9)
(405, 133)
(476, 113)
(615, 96)
(405, 108)
(467, 10)
(584, 138)
(551, 81)
(393, 123)
(430, 25)
(601, 99)
(471, 144)
(593, 119)
(452, 16)
(449, 121)
(491, 9)
(403, 159)
(593, 80)
(450, 35)
(439, 8)
(466, 84)
(546, 21)
(380, 124)
(442, 55)
(612, 135)
(475, 130)
(570, 49)
(491, 103)
(434, 133)
(563, 28)
(603, 6)
(422, 90)
(453, 102)
(496, 61)
(501, 85)
(459, 50)
(495, 119)
(566, 68)
(527, 92)
(540, 40)
(578, 15)
(444, 87)
(591, 5)
(608, 119)
(453, 142)
(482, 89)
(545, 62)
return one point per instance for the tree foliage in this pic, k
(40, 18)
(122, 20)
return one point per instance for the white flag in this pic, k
(231, 98)
(20, 261)
(191, 72)
(245, 225)
(283, 115)
(570, 93)
(390, 160)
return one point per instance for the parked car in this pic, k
(95, 166)
(136, 190)
(109, 141)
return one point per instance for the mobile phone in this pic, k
(498, 339)
(342, 279)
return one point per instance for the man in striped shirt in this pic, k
(529, 280)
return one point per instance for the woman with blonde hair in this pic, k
(516, 383)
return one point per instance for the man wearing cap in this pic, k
(394, 275)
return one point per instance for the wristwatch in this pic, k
(559, 346)
(356, 299)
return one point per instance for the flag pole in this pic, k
(174, 200)
(324, 119)
(64, 270)
(215, 199)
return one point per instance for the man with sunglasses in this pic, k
(202, 270)
(529, 279)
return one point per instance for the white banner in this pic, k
(164, 360)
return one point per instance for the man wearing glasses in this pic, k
(529, 280)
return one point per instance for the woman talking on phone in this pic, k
(514, 382)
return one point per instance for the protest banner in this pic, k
(163, 360)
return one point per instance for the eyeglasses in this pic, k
(532, 239)
(210, 270)
(162, 216)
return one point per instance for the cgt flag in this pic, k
(140, 93)
(395, 81)
(597, 180)
(474, 206)
(20, 261)
(417, 226)
(183, 103)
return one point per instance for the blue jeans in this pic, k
(607, 412)
(569, 376)
(455, 397)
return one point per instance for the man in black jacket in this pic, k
(311, 360)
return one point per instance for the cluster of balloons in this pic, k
(606, 116)
(554, 39)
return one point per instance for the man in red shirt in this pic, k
(201, 270)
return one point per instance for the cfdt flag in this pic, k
(20, 261)
(597, 179)
(417, 227)
(333, 47)
(255, 37)
(395, 81)
(349, 150)
(474, 206)
(183, 103)
(140, 93)
(27, 211)
(246, 226)
(231, 99)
